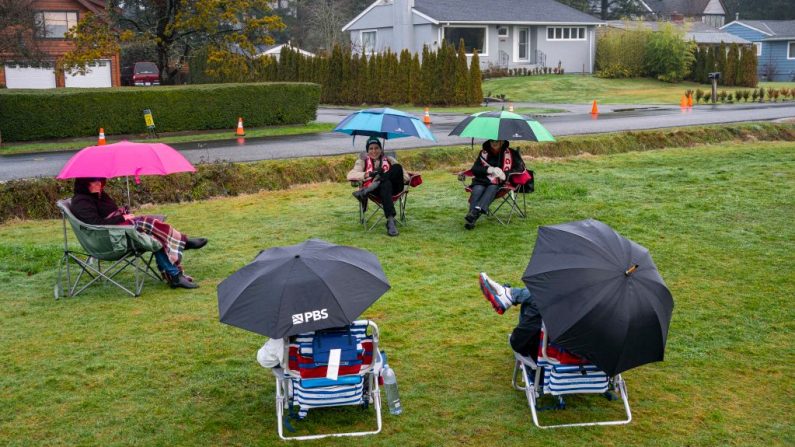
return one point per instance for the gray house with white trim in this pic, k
(506, 33)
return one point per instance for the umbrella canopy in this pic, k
(502, 125)
(600, 295)
(384, 123)
(125, 158)
(300, 288)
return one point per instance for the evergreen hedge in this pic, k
(35, 198)
(440, 77)
(30, 115)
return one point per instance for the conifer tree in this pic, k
(404, 81)
(372, 74)
(426, 76)
(461, 76)
(720, 62)
(476, 88)
(334, 77)
(738, 69)
(345, 81)
(416, 80)
(749, 63)
(732, 61)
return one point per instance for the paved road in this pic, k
(613, 118)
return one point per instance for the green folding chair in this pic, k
(119, 247)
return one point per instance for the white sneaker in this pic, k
(498, 296)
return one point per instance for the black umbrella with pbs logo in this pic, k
(306, 287)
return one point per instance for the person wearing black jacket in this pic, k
(490, 170)
(91, 205)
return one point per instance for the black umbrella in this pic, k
(600, 295)
(300, 288)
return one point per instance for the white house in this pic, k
(506, 33)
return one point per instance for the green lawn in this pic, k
(578, 89)
(103, 369)
(177, 137)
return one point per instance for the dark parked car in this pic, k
(146, 73)
(127, 75)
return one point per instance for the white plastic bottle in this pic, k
(392, 396)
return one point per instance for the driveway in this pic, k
(614, 118)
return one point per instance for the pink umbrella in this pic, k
(125, 158)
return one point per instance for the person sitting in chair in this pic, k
(90, 204)
(490, 171)
(380, 175)
(526, 334)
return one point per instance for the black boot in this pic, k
(391, 226)
(361, 194)
(471, 218)
(195, 243)
(181, 281)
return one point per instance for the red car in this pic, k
(145, 73)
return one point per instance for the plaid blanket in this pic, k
(172, 240)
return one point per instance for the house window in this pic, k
(368, 41)
(474, 38)
(791, 50)
(758, 46)
(565, 33)
(523, 38)
(54, 24)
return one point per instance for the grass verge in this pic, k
(176, 137)
(104, 369)
(578, 89)
(36, 198)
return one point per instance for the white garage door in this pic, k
(20, 75)
(98, 75)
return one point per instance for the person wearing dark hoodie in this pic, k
(90, 204)
(381, 175)
(490, 171)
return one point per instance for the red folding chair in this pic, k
(372, 217)
(518, 184)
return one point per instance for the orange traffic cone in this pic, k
(427, 118)
(690, 100)
(510, 107)
(101, 140)
(683, 102)
(240, 131)
(594, 108)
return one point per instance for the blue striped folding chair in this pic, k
(331, 368)
(558, 373)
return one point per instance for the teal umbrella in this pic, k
(502, 125)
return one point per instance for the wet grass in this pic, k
(580, 89)
(102, 369)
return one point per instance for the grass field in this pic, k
(176, 137)
(102, 369)
(578, 89)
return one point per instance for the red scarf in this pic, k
(507, 162)
(368, 168)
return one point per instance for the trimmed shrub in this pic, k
(35, 198)
(30, 115)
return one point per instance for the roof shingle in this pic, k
(546, 11)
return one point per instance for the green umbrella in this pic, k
(502, 125)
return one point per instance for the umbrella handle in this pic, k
(631, 270)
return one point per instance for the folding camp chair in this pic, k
(372, 217)
(331, 368)
(558, 373)
(121, 246)
(516, 186)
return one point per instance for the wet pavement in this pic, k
(613, 118)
